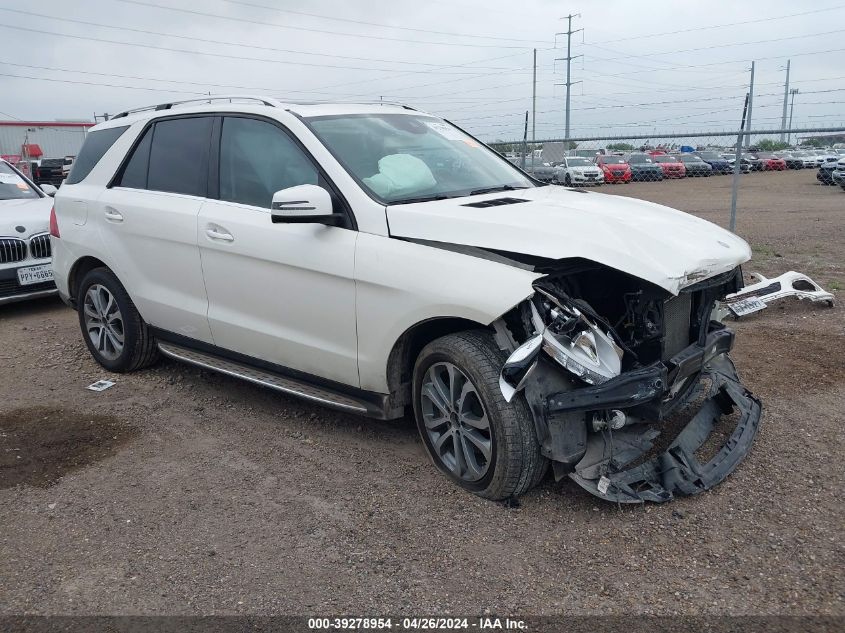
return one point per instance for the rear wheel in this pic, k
(481, 442)
(116, 335)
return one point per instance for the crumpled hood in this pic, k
(664, 246)
(33, 214)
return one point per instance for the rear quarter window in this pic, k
(96, 145)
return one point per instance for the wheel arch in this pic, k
(406, 349)
(80, 268)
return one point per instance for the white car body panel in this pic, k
(159, 233)
(401, 284)
(33, 214)
(623, 233)
(283, 293)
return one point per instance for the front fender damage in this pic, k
(602, 395)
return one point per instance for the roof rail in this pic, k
(354, 102)
(268, 101)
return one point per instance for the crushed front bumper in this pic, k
(613, 466)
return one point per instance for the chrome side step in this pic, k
(285, 384)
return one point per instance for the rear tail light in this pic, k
(54, 225)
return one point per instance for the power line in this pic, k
(221, 55)
(404, 74)
(718, 26)
(707, 48)
(313, 30)
(237, 44)
(11, 116)
(93, 83)
(376, 24)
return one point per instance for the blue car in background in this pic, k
(719, 164)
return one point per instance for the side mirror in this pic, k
(50, 190)
(304, 204)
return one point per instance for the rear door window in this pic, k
(178, 160)
(96, 144)
(135, 172)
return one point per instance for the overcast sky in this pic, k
(646, 65)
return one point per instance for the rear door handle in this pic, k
(113, 215)
(219, 234)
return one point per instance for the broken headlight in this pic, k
(570, 338)
(580, 346)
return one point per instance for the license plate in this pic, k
(35, 274)
(746, 306)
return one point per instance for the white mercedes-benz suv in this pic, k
(378, 259)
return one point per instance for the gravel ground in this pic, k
(182, 492)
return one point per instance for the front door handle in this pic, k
(219, 234)
(113, 215)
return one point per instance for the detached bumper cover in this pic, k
(676, 471)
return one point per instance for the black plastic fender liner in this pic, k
(675, 471)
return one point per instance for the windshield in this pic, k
(578, 162)
(612, 160)
(13, 186)
(665, 159)
(709, 156)
(690, 159)
(639, 158)
(411, 157)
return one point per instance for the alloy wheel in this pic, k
(103, 322)
(456, 423)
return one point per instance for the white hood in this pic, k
(667, 247)
(32, 213)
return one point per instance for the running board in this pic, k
(285, 384)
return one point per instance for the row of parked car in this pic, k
(657, 165)
(832, 173)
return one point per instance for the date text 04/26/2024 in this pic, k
(417, 624)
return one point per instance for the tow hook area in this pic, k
(676, 471)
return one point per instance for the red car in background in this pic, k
(672, 167)
(615, 169)
(772, 162)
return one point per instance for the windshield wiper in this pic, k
(420, 199)
(476, 192)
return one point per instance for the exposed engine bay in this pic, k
(605, 358)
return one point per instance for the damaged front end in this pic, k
(606, 359)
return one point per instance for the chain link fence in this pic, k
(709, 169)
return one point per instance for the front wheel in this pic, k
(481, 442)
(116, 335)
(567, 181)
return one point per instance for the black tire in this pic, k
(139, 346)
(515, 465)
(567, 181)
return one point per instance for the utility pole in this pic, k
(793, 92)
(569, 59)
(738, 162)
(785, 98)
(750, 103)
(534, 110)
(524, 141)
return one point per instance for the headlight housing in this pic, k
(580, 346)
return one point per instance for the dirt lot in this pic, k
(180, 491)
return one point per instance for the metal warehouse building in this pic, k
(41, 139)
